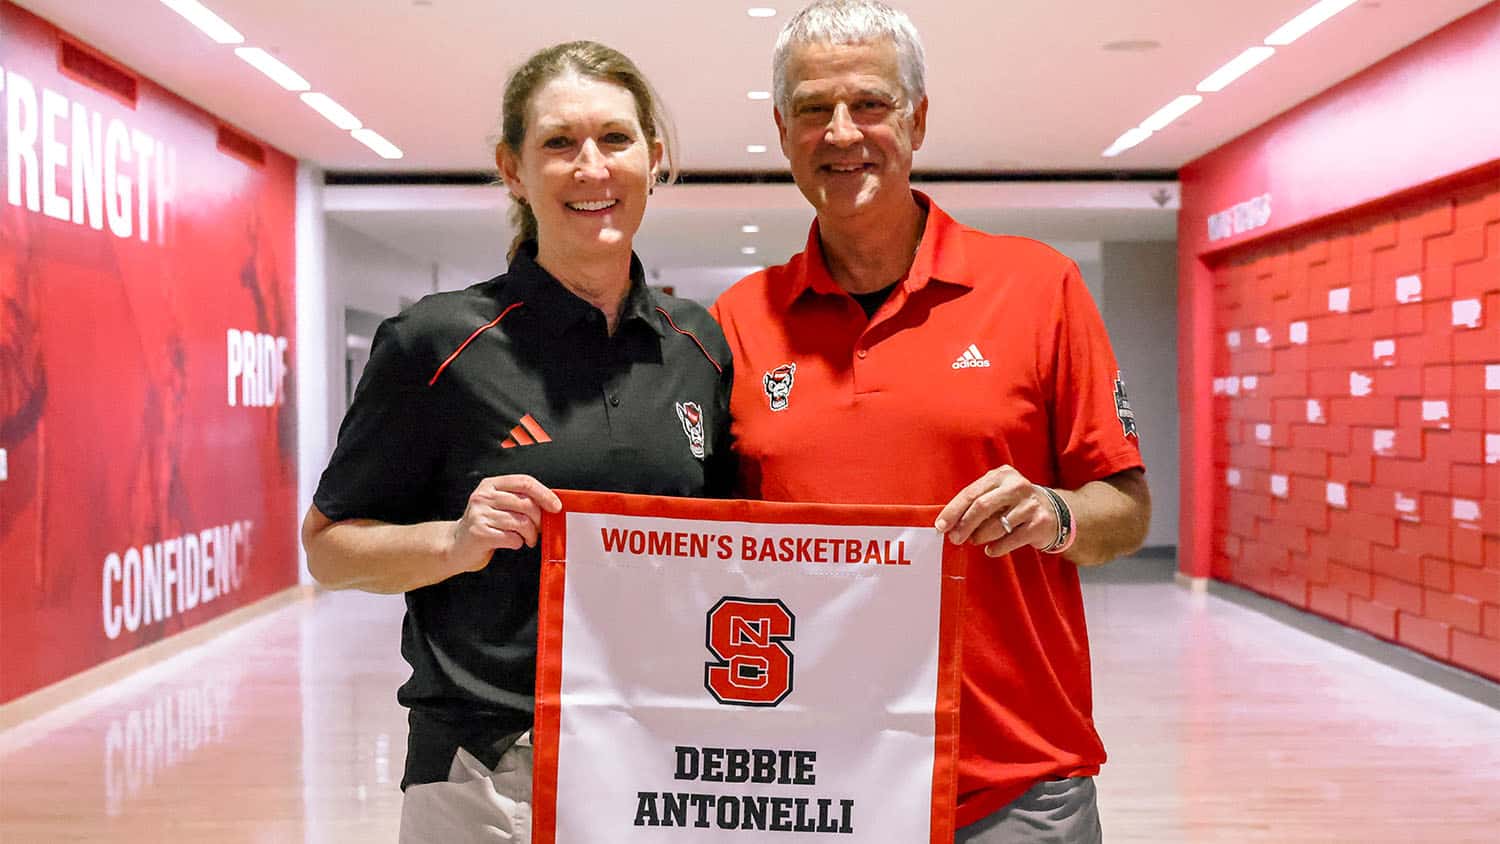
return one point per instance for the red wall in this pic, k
(143, 494)
(1387, 181)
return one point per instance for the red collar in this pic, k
(939, 257)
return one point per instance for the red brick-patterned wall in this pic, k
(1356, 432)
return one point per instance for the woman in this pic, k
(567, 371)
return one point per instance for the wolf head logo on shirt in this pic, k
(691, 417)
(778, 384)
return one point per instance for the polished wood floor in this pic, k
(1223, 725)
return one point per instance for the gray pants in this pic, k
(1050, 812)
(476, 805)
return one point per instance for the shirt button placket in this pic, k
(611, 407)
(860, 354)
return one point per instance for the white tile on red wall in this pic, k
(1337, 495)
(1338, 300)
(1466, 511)
(1492, 377)
(1407, 507)
(1383, 441)
(1468, 313)
(1360, 384)
(1297, 333)
(1492, 448)
(1315, 411)
(1280, 485)
(1409, 289)
(1434, 411)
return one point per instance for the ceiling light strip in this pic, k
(1304, 23)
(206, 21)
(222, 32)
(335, 113)
(373, 140)
(1171, 111)
(1234, 69)
(273, 67)
(1126, 141)
(1314, 16)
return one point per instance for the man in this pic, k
(905, 358)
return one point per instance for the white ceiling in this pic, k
(1018, 85)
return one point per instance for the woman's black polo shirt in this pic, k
(517, 376)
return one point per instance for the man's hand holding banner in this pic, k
(718, 670)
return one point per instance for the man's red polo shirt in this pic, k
(989, 352)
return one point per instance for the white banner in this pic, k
(713, 671)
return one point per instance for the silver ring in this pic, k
(1005, 523)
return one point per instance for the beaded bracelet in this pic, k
(1067, 531)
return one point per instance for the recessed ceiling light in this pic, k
(272, 67)
(373, 140)
(1132, 45)
(336, 114)
(1234, 69)
(747, 250)
(759, 95)
(1126, 141)
(755, 148)
(760, 12)
(1307, 21)
(1171, 111)
(207, 22)
(750, 228)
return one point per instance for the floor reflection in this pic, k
(1222, 725)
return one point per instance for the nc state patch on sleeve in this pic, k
(1122, 408)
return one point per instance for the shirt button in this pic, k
(614, 400)
(862, 353)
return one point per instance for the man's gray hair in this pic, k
(851, 22)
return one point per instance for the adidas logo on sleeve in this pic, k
(971, 358)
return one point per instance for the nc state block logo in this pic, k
(752, 666)
(778, 384)
(691, 417)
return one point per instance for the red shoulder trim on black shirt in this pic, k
(483, 328)
(692, 335)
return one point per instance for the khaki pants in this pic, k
(1052, 812)
(476, 805)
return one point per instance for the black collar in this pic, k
(547, 297)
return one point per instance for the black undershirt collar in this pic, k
(872, 301)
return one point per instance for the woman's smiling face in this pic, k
(585, 165)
